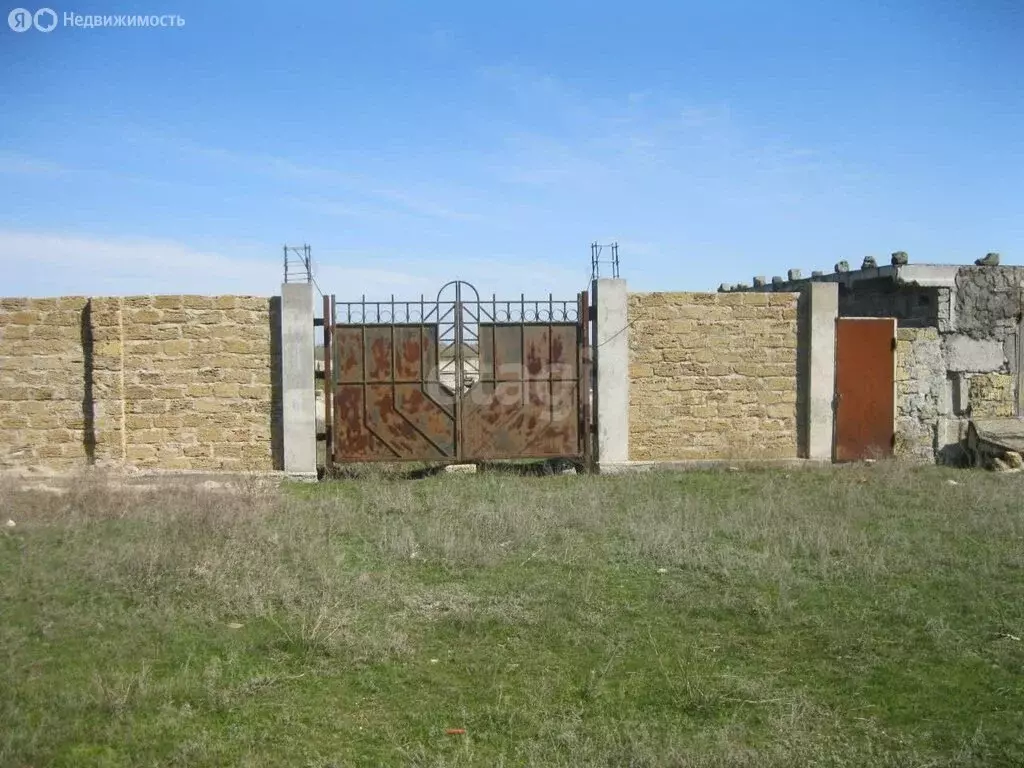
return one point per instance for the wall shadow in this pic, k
(954, 455)
(420, 471)
(803, 373)
(540, 468)
(88, 402)
(276, 387)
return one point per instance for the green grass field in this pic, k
(857, 616)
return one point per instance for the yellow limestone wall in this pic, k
(170, 382)
(713, 376)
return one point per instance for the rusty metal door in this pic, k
(457, 378)
(865, 388)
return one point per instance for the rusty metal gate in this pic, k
(457, 378)
(865, 388)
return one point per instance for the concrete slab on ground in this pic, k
(1004, 434)
(616, 468)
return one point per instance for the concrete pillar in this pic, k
(298, 387)
(611, 360)
(823, 310)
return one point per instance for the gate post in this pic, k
(298, 387)
(610, 350)
(822, 311)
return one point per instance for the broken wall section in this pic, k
(966, 366)
(987, 351)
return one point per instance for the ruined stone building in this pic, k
(956, 354)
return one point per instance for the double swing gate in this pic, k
(457, 378)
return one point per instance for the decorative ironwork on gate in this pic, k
(457, 378)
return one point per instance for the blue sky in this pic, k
(411, 143)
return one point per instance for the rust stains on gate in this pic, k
(457, 378)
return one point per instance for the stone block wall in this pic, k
(169, 382)
(913, 306)
(991, 395)
(713, 376)
(983, 354)
(960, 347)
(921, 392)
(42, 389)
(989, 301)
(961, 369)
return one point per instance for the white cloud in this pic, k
(58, 264)
(651, 140)
(70, 264)
(344, 191)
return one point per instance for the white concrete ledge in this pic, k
(627, 467)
